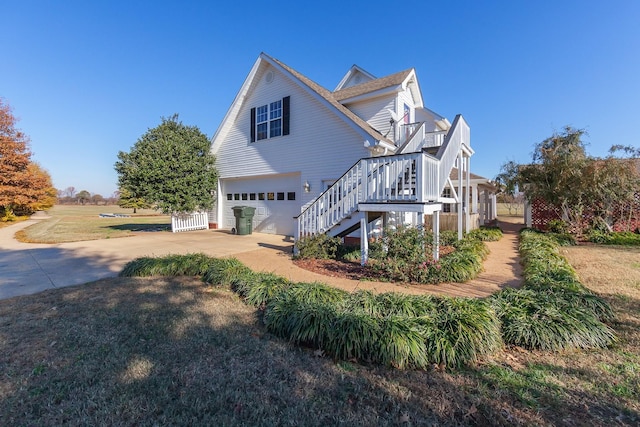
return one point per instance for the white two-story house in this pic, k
(312, 160)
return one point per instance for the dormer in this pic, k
(354, 77)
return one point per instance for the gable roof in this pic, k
(320, 93)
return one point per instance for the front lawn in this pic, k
(169, 350)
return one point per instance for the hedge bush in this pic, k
(171, 265)
(623, 238)
(553, 310)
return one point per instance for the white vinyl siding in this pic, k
(320, 145)
(374, 111)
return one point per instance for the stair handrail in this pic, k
(457, 136)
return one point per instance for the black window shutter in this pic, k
(285, 115)
(253, 125)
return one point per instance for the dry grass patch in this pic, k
(158, 351)
(79, 223)
(607, 270)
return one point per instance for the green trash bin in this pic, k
(244, 219)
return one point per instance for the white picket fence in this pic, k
(189, 222)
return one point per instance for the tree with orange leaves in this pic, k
(24, 185)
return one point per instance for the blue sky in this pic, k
(88, 78)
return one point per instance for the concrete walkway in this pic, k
(27, 268)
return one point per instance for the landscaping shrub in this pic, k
(7, 215)
(558, 226)
(355, 334)
(398, 304)
(486, 234)
(547, 321)
(597, 236)
(460, 330)
(624, 238)
(349, 252)
(316, 292)
(408, 257)
(563, 239)
(318, 246)
(447, 237)
(262, 288)
(553, 310)
(392, 329)
(365, 301)
(225, 272)
(401, 343)
(169, 265)
(302, 322)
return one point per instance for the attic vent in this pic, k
(358, 79)
(269, 77)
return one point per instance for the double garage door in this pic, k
(276, 199)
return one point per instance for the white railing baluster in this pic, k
(189, 222)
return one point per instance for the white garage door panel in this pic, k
(271, 216)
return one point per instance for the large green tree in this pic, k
(170, 167)
(24, 185)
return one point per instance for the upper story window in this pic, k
(270, 120)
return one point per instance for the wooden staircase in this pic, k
(411, 180)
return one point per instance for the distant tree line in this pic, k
(70, 196)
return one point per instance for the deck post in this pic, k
(435, 218)
(364, 241)
(461, 195)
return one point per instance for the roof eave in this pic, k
(370, 95)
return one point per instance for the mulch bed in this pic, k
(335, 268)
(348, 269)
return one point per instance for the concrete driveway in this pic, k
(27, 268)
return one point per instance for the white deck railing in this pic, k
(189, 222)
(457, 137)
(419, 139)
(389, 179)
